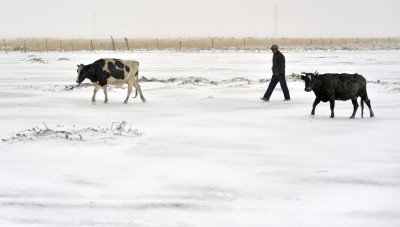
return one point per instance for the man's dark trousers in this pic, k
(274, 81)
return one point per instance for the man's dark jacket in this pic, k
(278, 64)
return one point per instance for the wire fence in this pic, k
(125, 44)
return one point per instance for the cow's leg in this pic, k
(355, 105)
(96, 88)
(317, 100)
(105, 89)
(129, 91)
(139, 89)
(368, 102)
(135, 93)
(332, 102)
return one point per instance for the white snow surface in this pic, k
(204, 150)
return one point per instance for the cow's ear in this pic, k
(303, 77)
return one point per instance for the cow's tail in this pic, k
(137, 79)
(362, 106)
(364, 95)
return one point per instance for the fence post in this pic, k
(5, 46)
(180, 45)
(72, 45)
(158, 47)
(24, 46)
(113, 43)
(47, 49)
(60, 46)
(91, 44)
(127, 44)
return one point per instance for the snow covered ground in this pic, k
(203, 150)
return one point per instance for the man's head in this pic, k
(274, 48)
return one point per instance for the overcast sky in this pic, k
(199, 18)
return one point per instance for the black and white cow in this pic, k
(107, 71)
(331, 87)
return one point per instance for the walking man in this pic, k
(278, 75)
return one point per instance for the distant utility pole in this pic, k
(275, 32)
(126, 44)
(113, 43)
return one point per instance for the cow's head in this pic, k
(82, 74)
(309, 78)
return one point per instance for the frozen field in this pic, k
(204, 150)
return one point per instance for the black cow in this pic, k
(331, 87)
(107, 71)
